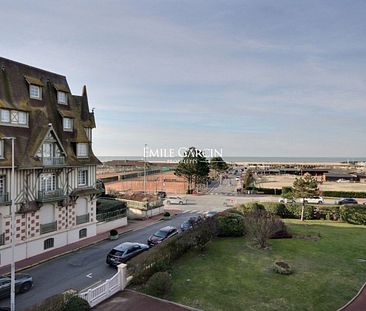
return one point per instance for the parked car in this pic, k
(229, 202)
(190, 222)
(161, 235)
(285, 200)
(346, 201)
(341, 180)
(210, 213)
(161, 194)
(23, 283)
(124, 252)
(312, 200)
(175, 200)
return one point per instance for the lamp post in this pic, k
(145, 168)
(13, 224)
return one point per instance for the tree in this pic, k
(287, 193)
(194, 167)
(305, 187)
(249, 180)
(218, 164)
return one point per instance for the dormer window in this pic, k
(13, 118)
(68, 124)
(82, 150)
(61, 98)
(35, 91)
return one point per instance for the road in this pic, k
(80, 269)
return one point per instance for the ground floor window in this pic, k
(82, 233)
(49, 243)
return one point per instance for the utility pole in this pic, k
(145, 168)
(13, 224)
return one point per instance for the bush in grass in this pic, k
(230, 225)
(295, 211)
(279, 209)
(353, 214)
(159, 284)
(282, 267)
(327, 212)
(261, 225)
(75, 303)
(53, 303)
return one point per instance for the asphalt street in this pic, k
(82, 268)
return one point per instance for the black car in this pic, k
(161, 194)
(23, 283)
(347, 201)
(125, 251)
(161, 235)
(190, 222)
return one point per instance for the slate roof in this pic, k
(14, 94)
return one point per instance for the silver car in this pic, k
(175, 200)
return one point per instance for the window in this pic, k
(82, 233)
(1, 149)
(35, 91)
(62, 98)
(83, 177)
(5, 116)
(2, 185)
(49, 243)
(48, 182)
(13, 117)
(82, 150)
(68, 124)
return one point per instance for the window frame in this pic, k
(48, 243)
(79, 154)
(6, 111)
(2, 149)
(83, 233)
(35, 87)
(48, 182)
(68, 129)
(59, 101)
(86, 177)
(2, 184)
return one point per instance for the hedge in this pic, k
(230, 224)
(105, 205)
(353, 214)
(336, 194)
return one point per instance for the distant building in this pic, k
(55, 174)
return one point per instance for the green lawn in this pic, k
(232, 275)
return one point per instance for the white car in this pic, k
(312, 200)
(285, 200)
(175, 200)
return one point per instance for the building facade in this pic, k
(55, 168)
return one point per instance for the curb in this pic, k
(81, 247)
(164, 300)
(353, 299)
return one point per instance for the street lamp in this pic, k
(12, 197)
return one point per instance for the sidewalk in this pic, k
(35, 260)
(358, 303)
(129, 300)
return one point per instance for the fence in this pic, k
(113, 215)
(107, 289)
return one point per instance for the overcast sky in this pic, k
(255, 78)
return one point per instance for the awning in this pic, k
(84, 191)
(61, 87)
(33, 80)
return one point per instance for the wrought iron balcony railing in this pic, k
(2, 238)
(51, 195)
(47, 228)
(4, 198)
(82, 219)
(53, 161)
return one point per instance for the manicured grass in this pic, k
(232, 275)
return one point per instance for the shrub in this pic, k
(235, 210)
(344, 194)
(261, 225)
(113, 232)
(53, 303)
(295, 211)
(280, 230)
(282, 267)
(353, 214)
(159, 284)
(105, 205)
(255, 206)
(327, 212)
(278, 209)
(75, 303)
(230, 225)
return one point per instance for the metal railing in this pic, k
(109, 216)
(52, 195)
(82, 219)
(53, 161)
(4, 197)
(2, 239)
(50, 227)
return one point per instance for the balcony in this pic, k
(53, 161)
(4, 198)
(82, 219)
(51, 196)
(2, 239)
(47, 228)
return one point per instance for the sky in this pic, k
(251, 78)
